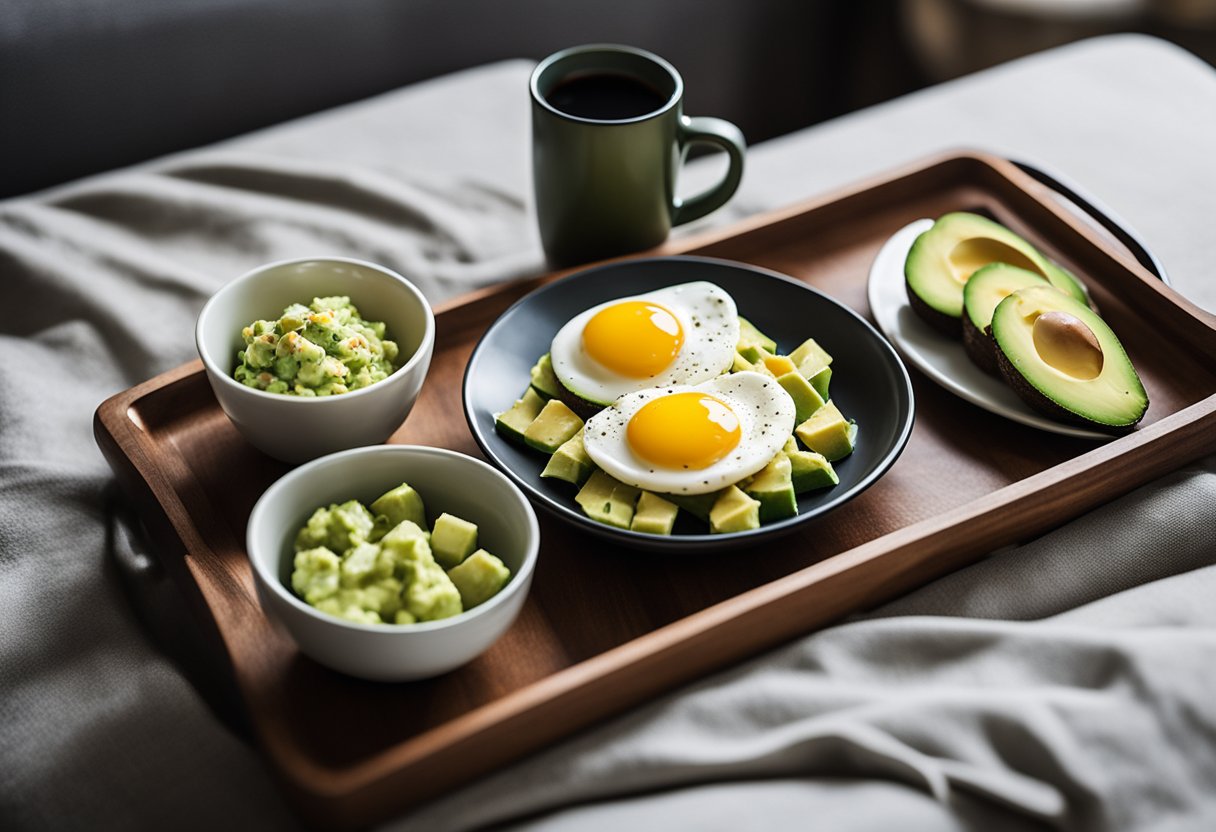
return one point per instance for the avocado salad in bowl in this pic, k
(393, 562)
(686, 403)
(297, 368)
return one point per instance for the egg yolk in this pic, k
(684, 430)
(634, 338)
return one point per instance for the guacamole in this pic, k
(362, 567)
(321, 349)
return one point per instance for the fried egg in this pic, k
(692, 439)
(682, 334)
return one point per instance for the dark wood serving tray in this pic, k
(605, 629)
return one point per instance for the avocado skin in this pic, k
(943, 323)
(583, 408)
(1046, 406)
(980, 347)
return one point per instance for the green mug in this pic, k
(609, 135)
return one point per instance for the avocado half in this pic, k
(985, 289)
(1064, 361)
(943, 258)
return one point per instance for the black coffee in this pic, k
(605, 97)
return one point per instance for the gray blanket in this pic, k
(1066, 683)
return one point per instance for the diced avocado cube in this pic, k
(773, 487)
(740, 364)
(809, 357)
(750, 337)
(698, 505)
(654, 515)
(544, 380)
(512, 423)
(402, 547)
(570, 462)
(828, 433)
(806, 398)
(452, 540)
(734, 511)
(810, 470)
(552, 427)
(753, 355)
(479, 578)
(430, 593)
(820, 380)
(607, 500)
(778, 365)
(402, 503)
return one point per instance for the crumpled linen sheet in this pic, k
(1069, 683)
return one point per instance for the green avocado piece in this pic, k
(942, 259)
(698, 505)
(986, 288)
(734, 511)
(654, 515)
(607, 500)
(544, 380)
(773, 487)
(479, 578)
(570, 461)
(1065, 361)
(827, 432)
(815, 363)
(806, 398)
(513, 422)
(821, 379)
(337, 527)
(751, 340)
(809, 357)
(402, 503)
(452, 540)
(362, 566)
(429, 593)
(739, 364)
(316, 574)
(552, 427)
(1068, 283)
(809, 470)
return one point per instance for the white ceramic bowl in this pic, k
(296, 429)
(448, 481)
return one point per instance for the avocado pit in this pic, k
(1065, 343)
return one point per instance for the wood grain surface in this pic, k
(604, 628)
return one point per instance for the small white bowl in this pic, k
(292, 428)
(448, 481)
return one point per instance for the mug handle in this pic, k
(723, 134)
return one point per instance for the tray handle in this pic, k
(1100, 214)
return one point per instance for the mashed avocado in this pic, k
(357, 566)
(321, 349)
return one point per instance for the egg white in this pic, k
(708, 318)
(766, 420)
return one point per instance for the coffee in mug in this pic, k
(608, 138)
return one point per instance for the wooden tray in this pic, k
(606, 629)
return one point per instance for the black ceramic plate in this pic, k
(869, 383)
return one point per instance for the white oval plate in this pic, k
(941, 359)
